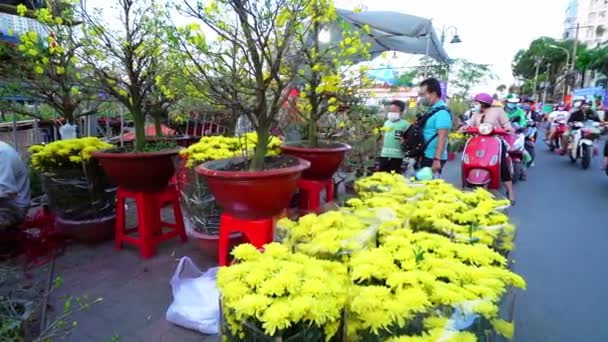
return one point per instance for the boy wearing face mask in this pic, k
(391, 156)
(515, 113)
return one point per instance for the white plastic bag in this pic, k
(195, 298)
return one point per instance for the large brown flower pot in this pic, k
(324, 161)
(142, 171)
(253, 195)
(87, 231)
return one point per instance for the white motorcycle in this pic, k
(581, 142)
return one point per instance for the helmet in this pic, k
(484, 98)
(512, 99)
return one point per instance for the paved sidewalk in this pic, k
(136, 292)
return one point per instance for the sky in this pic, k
(492, 31)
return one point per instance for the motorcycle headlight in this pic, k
(485, 129)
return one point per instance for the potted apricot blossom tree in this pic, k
(126, 61)
(329, 77)
(246, 70)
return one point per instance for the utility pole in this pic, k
(546, 83)
(537, 61)
(573, 65)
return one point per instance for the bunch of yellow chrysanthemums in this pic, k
(282, 294)
(221, 147)
(457, 141)
(418, 263)
(414, 275)
(332, 234)
(439, 207)
(67, 153)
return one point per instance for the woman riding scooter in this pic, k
(497, 118)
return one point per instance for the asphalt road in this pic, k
(562, 250)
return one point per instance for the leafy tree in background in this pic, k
(406, 79)
(47, 70)
(468, 74)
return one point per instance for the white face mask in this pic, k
(393, 116)
(477, 108)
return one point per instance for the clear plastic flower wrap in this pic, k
(198, 204)
(79, 194)
(334, 234)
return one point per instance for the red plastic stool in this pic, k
(149, 223)
(257, 233)
(310, 193)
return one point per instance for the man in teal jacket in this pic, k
(515, 113)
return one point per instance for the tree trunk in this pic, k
(140, 131)
(157, 125)
(583, 74)
(313, 135)
(259, 154)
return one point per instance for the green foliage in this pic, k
(468, 74)
(327, 69)
(46, 69)
(134, 49)
(406, 79)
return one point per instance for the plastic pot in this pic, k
(324, 161)
(141, 171)
(252, 194)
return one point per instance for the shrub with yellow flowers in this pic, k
(221, 147)
(70, 153)
(414, 276)
(281, 295)
(76, 186)
(200, 210)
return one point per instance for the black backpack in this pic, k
(413, 144)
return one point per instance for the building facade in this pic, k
(592, 16)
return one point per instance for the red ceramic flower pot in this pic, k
(147, 171)
(324, 161)
(252, 195)
(451, 156)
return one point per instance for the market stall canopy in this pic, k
(394, 31)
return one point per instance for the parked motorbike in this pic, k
(481, 157)
(516, 148)
(581, 142)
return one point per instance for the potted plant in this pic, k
(201, 213)
(78, 192)
(245, 71)
(126, 61)
(329, 79)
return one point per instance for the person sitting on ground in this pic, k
(14, 188)
(497, 118)
(391, 156)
